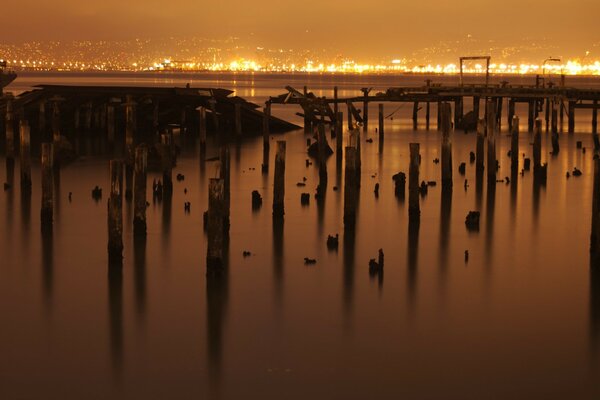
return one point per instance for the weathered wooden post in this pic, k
(381, 122)
(537, 146)
(439, 115)
(238, 119)
(266, 135)
(355, 142)
(139, 193)
(446, 147)
(322, 145)
(415, 115)
(595, 117)
(427, 115)
(547, 101)
(554, 116)
(571, 116)
(476, 100)
(365, 109)
(479, 151)
(9, 130)
(414, 211)
(225, 174)
(167, 164)
(215, 230)
(514, 144)
(350, 188)
(595, 236)
(129, 149)
(115, 213)
(335, 103)
(491, 141)
(339, 132)
(56, 122)
(46, 213)
(42, 118)
(555, 144)
(279, 181)
(458, 110)
(25, 155)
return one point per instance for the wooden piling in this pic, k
(238, 119)
(427, 115)
(46, 213)
(414, 212)
(595, 117)
(322, 145)
(139, 192)
(279, 181)
(415, 115)
(547, 116)
(225, 174)
(514, 144)
(511, 114)
(381, 121)
(9, 130)
(110, 124)
(56, 122)
(339, 132)
(202, 129)
(446, 147)
(335, 102)
(215, 230)
(537, 145)
(479, 151)
(491, 141)
(266, 121)
(458, 110)
(350, 188)
(476, 100)
(115, 213)
(167, 164)
(365, 115)
(42, 118)
(25, 155)
(554, 117)
(571, 116)
(595, 236)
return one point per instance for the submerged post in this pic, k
(139, 192)
(115, 213)
(215, 229)
(25, 155)
(514, 144)
(414, 212)
(167, 164)
(446, 147)
(279, 181)
(47, 187)
(350, 188)
(491, 141)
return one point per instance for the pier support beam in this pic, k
(25, 155)
(476, 101)
(279, 181)
(531, 115)
(350, 188)
(511, 114)
(514, 144)
(446, 148)
(491, 142)
(537, 146)
(571, 116)
(349, 106)
(139, 193)
(115, 213)
(414, 211)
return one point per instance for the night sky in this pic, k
(386, 25)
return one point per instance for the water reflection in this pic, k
(412, 261)
(115, 311)
(47, 268)
(139, 265)
(278, 261)
(349, 267)
(489, 224)
(445, 211)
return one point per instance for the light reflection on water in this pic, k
(518, 320)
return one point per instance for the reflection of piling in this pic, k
(350, 188)
(414, 212)
(479, 152)
(139, 197)
(216, 229)
(339, 135)
(595, 236)
(446, 147)
(491, 141)
(115, 213)
(322, 146)
(381, 122)
(537, 146)
(47, 187)
(225, 174)
(25, 155)
(279, 181)
(514, 144)
(167, 164)
(202, 130)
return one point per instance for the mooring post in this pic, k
(139, 193)
(514, 144)
(349, 106)
(225, 174)
(571, 116)
(339, 132)
(279, 181)
(531, 115)
(537, 146)
(414, 212)
(167, 164)
(115, 213)
(381, 122)
(491, 141)
(47, 187)
(25, 155)
(415, 115)
(215, 229)
(595, 236)
(427, 114)
(479, 150)
(350, 188)
(238, 119)
(446, 147)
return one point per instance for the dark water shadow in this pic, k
(412, 253)
(140, 287)
(445, 217)
(489, 227)
(278, 263)
(47, 269)
(349, 264)
(217, 297)
(115, 311)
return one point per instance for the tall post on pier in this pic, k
(202, 131)
(479, 150)
(350, 188)
(215, 230)
(115, 213)
(139, 192)
(381, 122)
(238, 119)
(537, 146)
(514, 144)
(415, 115)
(491, 141)
(571, 116)
(446, 147)
(414, 211)
(46, 213)
(279, 181)
(25, 155)
(167, 164)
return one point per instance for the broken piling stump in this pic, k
(279, 181)
(25, 155)
(514, 144)
(446, 147)
(215, 229)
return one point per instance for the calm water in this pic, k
(520, 319)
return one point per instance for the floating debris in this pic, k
(472, 220)
(333, 242)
